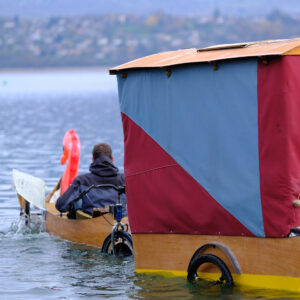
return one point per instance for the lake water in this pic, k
(36, 109)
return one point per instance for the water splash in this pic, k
(24, 226)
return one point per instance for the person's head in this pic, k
(102, 149)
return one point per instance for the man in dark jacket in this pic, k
(102, 171)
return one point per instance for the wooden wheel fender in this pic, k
(216, 248)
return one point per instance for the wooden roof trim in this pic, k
(213, 54)
(294, 51)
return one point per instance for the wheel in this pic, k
(213, 263)
(122, 244)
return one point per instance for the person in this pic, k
(102, 171)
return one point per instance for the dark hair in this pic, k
(102, 149)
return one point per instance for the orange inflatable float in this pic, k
(71, 155)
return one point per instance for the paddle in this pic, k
(31, 188)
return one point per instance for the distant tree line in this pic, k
(113, 39)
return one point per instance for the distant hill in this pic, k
(48, 8)
(112, 39)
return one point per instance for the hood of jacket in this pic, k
(104, 167)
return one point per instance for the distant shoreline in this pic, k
(54, 70)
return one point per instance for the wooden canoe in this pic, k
(84, 229)
(90, 231)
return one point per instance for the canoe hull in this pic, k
(87, 231)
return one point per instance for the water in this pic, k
(36, 109)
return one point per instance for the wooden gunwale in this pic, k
(87, 231)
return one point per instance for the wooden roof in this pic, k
(213, 54)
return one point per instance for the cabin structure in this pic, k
(212, 157)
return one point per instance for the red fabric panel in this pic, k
(163, 198)
(279, 143)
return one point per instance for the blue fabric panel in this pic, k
(208, 122)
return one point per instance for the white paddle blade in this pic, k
(30, 188)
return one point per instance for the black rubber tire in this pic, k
(123, 244)
(224, 280)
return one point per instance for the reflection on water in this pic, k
(35, 112)
(158, 287)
